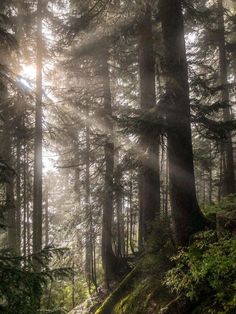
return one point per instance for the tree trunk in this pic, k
(18, 194)
(131, 212)
(186, 214)
(228, 171)
(166, 199)
(120, 220)
(37, 210)
(6, 153)
(210, 176)
(46, 215)
(149, 173)
(25, 200)
(19, 124)
(108, 257)
(10, 202)
(88, 214)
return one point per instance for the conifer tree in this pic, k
(37, 211)
(228, 157)
(149, 142)
(185, 210)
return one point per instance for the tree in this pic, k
(37, 211)
(149, 142)
(108, 256)
(10, 199)
(8, 45)
(228, 157)
(186, 214)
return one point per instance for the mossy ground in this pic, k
(141, 291)
(146, 296)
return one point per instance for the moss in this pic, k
(132, 303)
(124, 286)
(141, 291)
(147, 296)
(135, 301)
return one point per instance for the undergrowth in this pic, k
(205, 272)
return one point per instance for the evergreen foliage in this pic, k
(205, 273)
(21, 287)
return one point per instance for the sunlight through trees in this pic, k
(117, 156)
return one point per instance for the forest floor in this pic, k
(202, 275)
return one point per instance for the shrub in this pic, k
(206, 272)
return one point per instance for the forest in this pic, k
(117, 156)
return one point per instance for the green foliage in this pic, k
(206, 272)
(21, 287)
(160, 241)
(227, 207)
(60, 294)
(223, 214)
(137, 122)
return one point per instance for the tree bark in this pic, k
(108, 257)
(37, 207)
(119, 213)
(149, 171)
(7, 155)
(10, 200)
(186, 214)
(46, 215)
(88, 213)
(18, 195)
(228, 171)
(210, 191)
(19, 123)
(25, 200)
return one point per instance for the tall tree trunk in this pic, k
(7, 155)
(37, 210)
(210, 176)
(29, 200)
(119, 213)
(108, 256)
(25, 200)
(149, 172)
(88, 214)
(166, 199)
(77, 170)
(46, 215)
(20, 113)
(221, 161)
(228, 171)
(18, 196)
(186, 214)
(132, 215)
(10, 200)
(204, 187)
